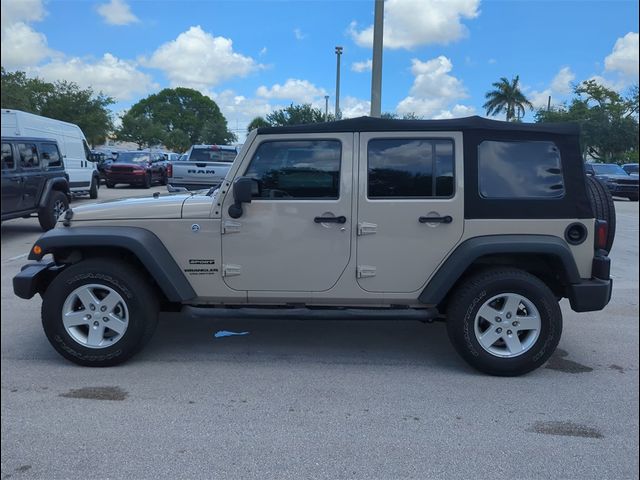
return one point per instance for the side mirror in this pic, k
(243, 190)
(93, 157)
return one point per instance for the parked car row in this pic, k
(617, 179)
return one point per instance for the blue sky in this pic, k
(251, 57)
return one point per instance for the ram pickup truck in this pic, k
(206, 166)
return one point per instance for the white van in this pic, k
(83, 174)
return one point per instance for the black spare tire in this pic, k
(603, 207)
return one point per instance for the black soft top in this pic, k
(371, 124)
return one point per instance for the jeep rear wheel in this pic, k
(603, 207)
(99, 312)
(504, 321)
(56, 205)
(147, 181)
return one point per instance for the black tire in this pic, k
(603, 207)
(140, 300)
(110, 184)
(633, 198)
(56, 204)
(481, 287)
(147, 181)
(93, 190)
(164, 179)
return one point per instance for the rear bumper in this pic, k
(34, 277)
(593, 294)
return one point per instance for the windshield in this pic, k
(608, 169)
(631, 168)
(209, 155)
(133, 157)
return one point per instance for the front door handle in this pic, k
(340, 219)
(445, 219)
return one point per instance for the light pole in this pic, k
(326, 108)
(376, 66)
(338, 54)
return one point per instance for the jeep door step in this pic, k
(318, 313)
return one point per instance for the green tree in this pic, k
(185, 116)
(608, 121)
(295, 115)
(20, 92)
(507, 97)
(60, 100)
(257, 122)
(140, 130)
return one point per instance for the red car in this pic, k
(137, 168)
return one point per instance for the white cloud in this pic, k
(117, 12)
(115, 77)
(25, 11)
(624, 57)
(558, 90)
(263, 51)
(433, 89)
(492, 61)
(354, 107)
(457, 111)
(298, 91)
(199, 60)
(299, 34)
(21, 45)
(411, 23)
(364, 66)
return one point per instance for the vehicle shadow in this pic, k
(377, 342)
(12, 229)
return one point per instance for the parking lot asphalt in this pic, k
(314, 399)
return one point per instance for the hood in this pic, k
(615, 177)
(168, 206)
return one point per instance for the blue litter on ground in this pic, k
(226, 333)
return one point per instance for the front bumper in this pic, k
(593, 294)
(34, 278)
(129, 178)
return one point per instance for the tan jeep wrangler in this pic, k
(480, 223)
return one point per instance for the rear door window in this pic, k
(28, 155)
(410, 168)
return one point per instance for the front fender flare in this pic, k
(142, 243)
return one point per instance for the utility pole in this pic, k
(326, 108)
(376, 66)
(338, 54)
(549, 104)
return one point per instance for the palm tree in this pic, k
(507, 97)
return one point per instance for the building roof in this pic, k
(371, 124)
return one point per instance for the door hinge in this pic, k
(230, 270)
(365, 271)
(229, 226)
(365, 228)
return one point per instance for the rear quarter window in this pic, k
(522, 169)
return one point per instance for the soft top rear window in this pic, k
(520, 169)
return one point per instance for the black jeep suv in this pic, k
(33, 180)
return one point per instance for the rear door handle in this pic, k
(445, 219)
(340, 219)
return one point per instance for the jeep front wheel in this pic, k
(99, 312)
(56, 205)
(504, 322)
